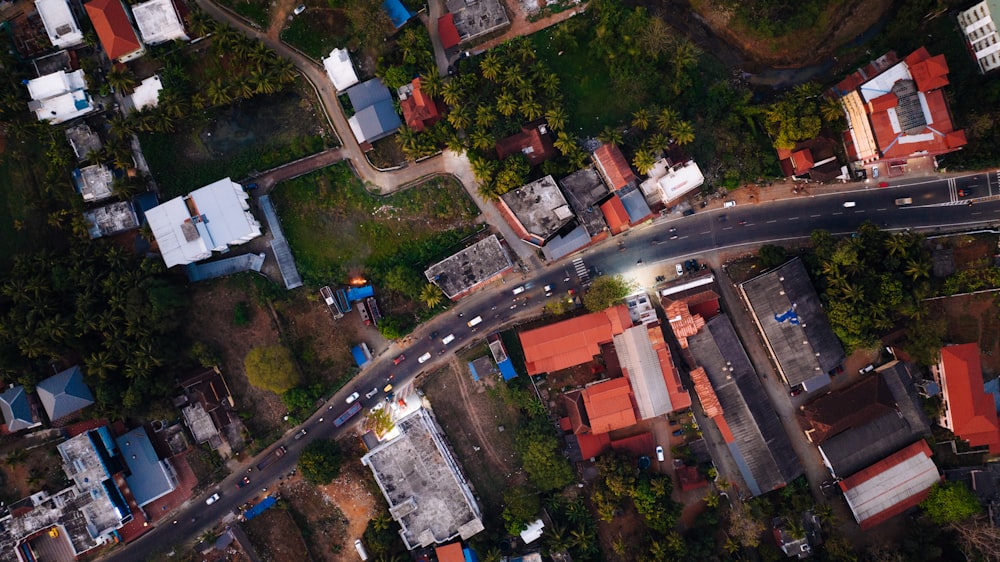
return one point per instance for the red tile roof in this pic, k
(928, 72)
(637, 445)
(113, 27)
(916, 449)
(682, 322)
(680, 399)
(613, 166)
(576, 412)
(609, 405)
(840, 410)
(690, 478)
(593, 445)
(534, 144)
(571, 342)
(447, 31)
(706, 394)
(882, 103)
(419, 109)
(972, 411)
(615, 215)
(450, 552)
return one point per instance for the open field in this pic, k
(257, 11)
(26, 471)
(319, 32)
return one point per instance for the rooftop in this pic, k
(891, 486)
(340, 69)
(615, 214)
(368, 93)
(787, 310)
(447, 31)
(475, 19)
(158, 22)
(419, 109)
(59, 97)
(147, 93)
(94, 182)
(470, 267)
(970, 412)
(646, 361)
(63, 510)
(534, 141)
(64, 394)
(148, 477)
(572, 342)
(110, 219)
(83, 140)
(427, 493)
(91, 460)
(16, 409)
(59, 22)
(673, 182)
(609, 405)
(635, 205)
(114, 29)
(540, 208)
(375, 121)
(613, 166)
(565, 243)
(584, 189)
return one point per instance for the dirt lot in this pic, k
(24, 473)
(276, 538)
(970, 319)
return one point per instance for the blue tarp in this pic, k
(993, 387)
(472, 369)
(397, 12)
(359, 355)
(259, 508)
(355, 294)
(507, 369)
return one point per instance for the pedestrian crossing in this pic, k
(581, 271)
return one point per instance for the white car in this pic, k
(371, 392)
(659, 453)
(353, 397)
(299, 9)
(680, 269)
(548, 290)
(518, 290)
(424, 358)
(212, 499)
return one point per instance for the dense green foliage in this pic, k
(773, 18)
(539, 450)
(320, 461)
(271, 368)
(772, 256)
(951, 502)
(413, 55)
(799, 115)
(607, 291)
(521, 507)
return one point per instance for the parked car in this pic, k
(688, 212)
(883, 184)
(243, 482)
(299, 9)
(795, 391)
(399, 359)
(659, 453)
(678, 432)
(302, 433)
(353, 397)
(729, 204)
(518, 290)
(548, 290)
(866, 369)
(680, 269)
(371, 392)
(387, 388)
(212, 499)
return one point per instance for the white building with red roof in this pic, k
(891, 486)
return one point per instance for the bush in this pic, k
(271, 368)
(951, 502)
(606, 291)
(242, 314)
(320, 462)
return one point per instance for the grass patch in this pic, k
(318, 33)
(257, 11)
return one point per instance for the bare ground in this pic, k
(276, 538)
(354, 493)
(974, 319)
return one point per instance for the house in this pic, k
(114, 29)
(472, 20)
(797, 546)
(374, 115)
(688, 304)
(534, 141)
(470, 268)
(615, 215)
(59, 97)
(94, 183)
(646, 361)
(447, 31)
(452, 552)
(788, 313)
(813, 159)
(398, 13)
(83, 140)
(340, 69)
(571, 342)
(968, 410)
(537, 211)
(209, 412)
(60, 23)
(984, 481)
(16, 409)
(419, 109)
(608, 405)
(891, 486)
(147, 93)
(431, 499)
(583, 189)
(897, 110)
(159, 22)
(859, 425)
(148, 476)
(668, 182)
(613, 166)
(64, 394)
(210, 219)
(979, 26)
(110, 219)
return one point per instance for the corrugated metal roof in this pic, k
(891, 486)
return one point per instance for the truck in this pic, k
(360, 547)
(271, 458)
(348, 414)
(474, 321)
(903, 201)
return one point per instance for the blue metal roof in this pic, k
(359, 355)
(355, 294)
(378, 120)
(259, 508)
(16, 410)
(507, 369)
(148, 479)
(64, 394)
(635, 205)
(561, 246)
(397, 12)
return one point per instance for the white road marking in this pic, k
(856, 212)
(838, 213)
(815, 216)
(977, 213)
(882, 209)
(793, 218)
(772, 222)
(727, 228)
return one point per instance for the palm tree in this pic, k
(550, 84)
(641, 119)
(430, 295)
(531, 109)
(896, 245)
(644, 160)
(657, 142)
(481, 139)
(917, 269)
(486, 116)
(218, 93)
(430, 83)
(556, 117)
(831, 110)
(564, 142)
(262, 81)
(506, 104)
(610, 135)
(121, 79)
(557, 539)
(451, 92)
(200, 23)
(584, 540)
(490, 66)
(16, 456)
(665, 120)
(283, 69)
(459, 117)
(685, 55)
(243, 87)
(683, 132)
(512, 77)
(483, 168)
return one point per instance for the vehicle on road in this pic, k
(399, 359)
(722, 218)
(422, 359)
(678, 432)
(680, 269)
(302, 433)
(243, 482)
(688, 213)
(849, 204)
(272, 457)
(659, 453)
(360, 547)
(299, 9)
(729, 204)
(866, 369)
(673, 233)
(348, 414)
(964, 192)
(883, 184)
(548, 290)
(387, 388)
(903, 201)
(475, 321)
(448, 339)
(743, 222)
(518, 290)
(371, 392)
(353, 397)
(212, 499)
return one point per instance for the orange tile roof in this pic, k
(706, 394)
(928, 72)
(450, 552)
(680, 399)
(571, 342)
(419, 109)
(883, 102)
(593, 445)
(637, 445)
(613, 166)
(113, 27)
(609, 405)
(537, 147)
(802, 160)
(682, 322)
(972, 411)
(615, 215)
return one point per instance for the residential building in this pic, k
(813, 159)
(788, 313)
(60, 23)
(148, 476)
(635, 204)
(640, 308)
(646, 361)
(209, 412)
(608, 405)
(447, 32)
(114, 29)
(340, 69)
(419, 109)
(668, 182)
(17, 410)
(91, 461)
(984, 481)
(471, 20)
(158, 22)
(572, 342)
(537, 211)
(613, 166)
(374, 115)
(798, 546)
(615, 215)
(110, 219)
(891, 486)
(430, 499)
(59, 97)
(534, 141)
(979, 26)
(470, 268)
(968, 410)
(83, 140)
(64, 394)
(210, 219)
(94, 183)
(583, 190)
(147, 93)
(897, 110)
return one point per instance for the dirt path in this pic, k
(485, 442)
(519, 24)
(280, 11)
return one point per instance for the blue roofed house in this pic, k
(397, 12)
(375, 115)
(148, 476)
(64, 394)
(16, 410)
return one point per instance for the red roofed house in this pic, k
(572, 342)
(114, 29)
(613, 167)
(891, 486)
(450, 552)
(447, 31)
(534, 141)
(897, 110)
(795, 163)
(969, 412)
(609, 405)
(615, 215)
(419, 109)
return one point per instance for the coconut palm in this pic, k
(490, 66)
(556, 117)
(460, 117)
(685, 55)
(657, 142)
(564, 142)
(283, 70)
(917, 269)
(610, 135)
(557, 539)
(430, 83)
(531, 109)
(641, 119)
(550, 84)
(831, 110)
(200, 23)
(683, 132)
(481, 139)
(512, 77)
(263, 83)
(897, 245)
(451, 92)
(486, 116)
(644, 160)
(431, 295)
(243, 87)
(665, 119)
(218, 93)
(121, 79)
(506, 104)
(483, 169)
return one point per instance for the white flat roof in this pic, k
(680, 180)
(179, 244)
(225, 206)
(63, 108)
(56, 84)
(882, 84)
(340, 69)
(158, 22)
(147, 94)
(60, 25)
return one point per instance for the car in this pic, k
(673, 230)
(680, 269)
(518, 290)
(387, 388)
(302, 433)
(299, 9)
(678, 432)
(688, 212)
(722, 218)
(866, 369)
(548, 290)
(964, 192)
(212, 499)
(795, 391)
(371, 392)
(251, 186)
(729, 204)
(659, 453)
(849, 204)
(353, 397)
(424, 358)
(883, 184)
(243, 482)
(433, 335)
(399, 359)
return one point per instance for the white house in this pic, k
(59, 96)
(980, 29)
(60, 25)
(210, 219)
(669, 182)
(147, 93)
(340, 69)
(158, 22)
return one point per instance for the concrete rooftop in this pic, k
(470, 267)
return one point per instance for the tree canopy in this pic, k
(320, 461)
(271, 368)
(539, 451)
(951, 502)
(521, 507)
(606, 291)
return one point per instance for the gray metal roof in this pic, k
(64, 394)
(789, 312)
(377, 121)
(635, 204)
(148, 477)
(16, 409)
(768, 460)
(560, 246)
(368, 93)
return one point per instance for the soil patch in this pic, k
(973, 318)
(356, 496)
(276, 538)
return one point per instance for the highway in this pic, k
(648, 251)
